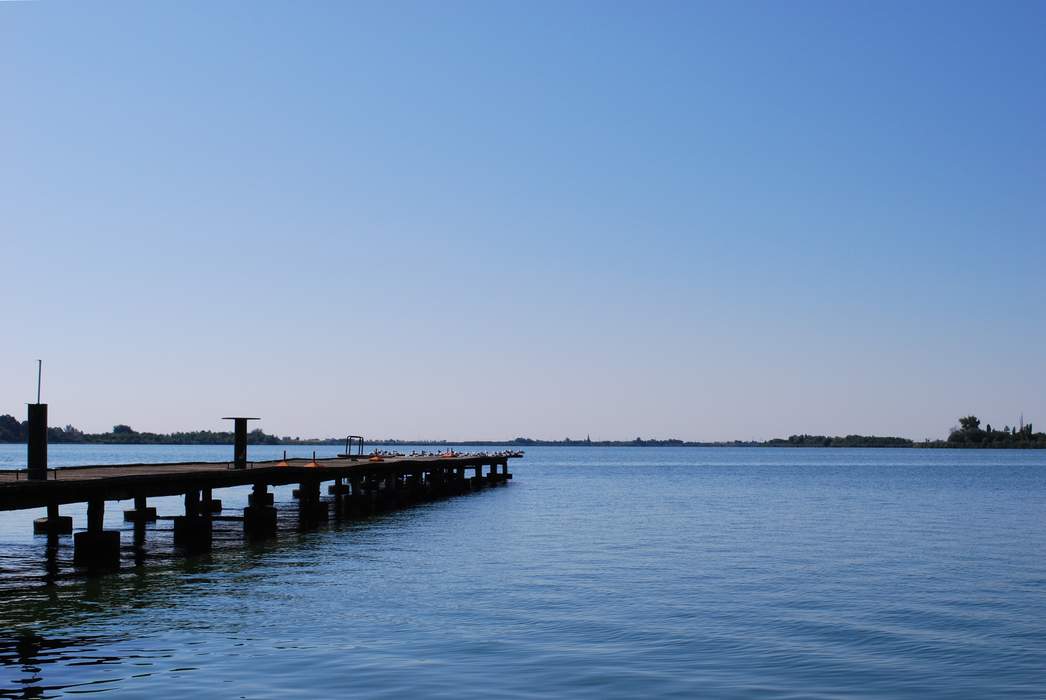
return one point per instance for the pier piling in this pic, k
(140, 512)
(194, 530)
(53, 524)
(310, 508)
(209, 504)
(259, 518)
(96, 548)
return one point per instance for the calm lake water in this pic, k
(598, 572)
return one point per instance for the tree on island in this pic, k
(970, 434)
(11, 430)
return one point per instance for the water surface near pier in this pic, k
(598, 572)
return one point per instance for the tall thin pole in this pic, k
(39, 374)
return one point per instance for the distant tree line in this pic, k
(11, 430)
(793, 441)
(967, 434)
(638, 442)
(847, 441)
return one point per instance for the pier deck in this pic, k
(125, 481)
(361, 487)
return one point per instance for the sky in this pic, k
(703, 220)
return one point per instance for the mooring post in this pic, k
(97, 547)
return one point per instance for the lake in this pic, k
(596, 573)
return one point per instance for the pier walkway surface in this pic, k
(122, 481)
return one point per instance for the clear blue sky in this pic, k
(697, 220)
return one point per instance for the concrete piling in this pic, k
(96, 548)
(311, 509)
(194, 530)
(259, 518)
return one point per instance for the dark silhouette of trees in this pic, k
(969, 434)
(847, 441)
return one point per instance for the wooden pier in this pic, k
(359, 486)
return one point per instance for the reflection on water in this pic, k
(597, 573)
(41, 591)
(30, 653)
